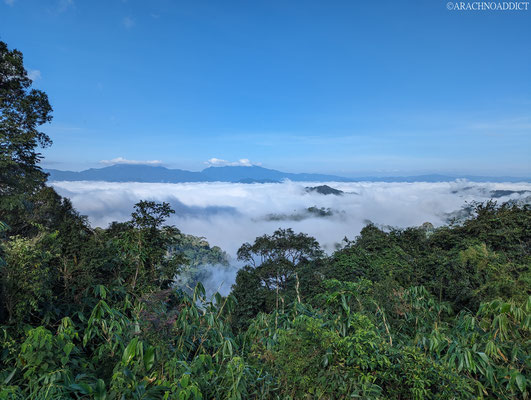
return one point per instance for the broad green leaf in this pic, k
(149, 357)
(521, 382)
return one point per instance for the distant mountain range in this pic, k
(253, 174)
(146, 173)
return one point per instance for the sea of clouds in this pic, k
(229, 214)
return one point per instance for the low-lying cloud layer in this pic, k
(229, 214)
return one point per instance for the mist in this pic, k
(229, 214)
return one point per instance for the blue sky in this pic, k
(345, 87)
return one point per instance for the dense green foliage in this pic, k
(419, 313)
(453, 302)
(22, 111)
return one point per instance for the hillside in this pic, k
(99, 313)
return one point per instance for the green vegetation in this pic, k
(199, 255)
(419, 313)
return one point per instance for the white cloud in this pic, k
(9, 2)
(128, 22)
(242, 162)
(229, 214)
(121, 160)
(34, 74)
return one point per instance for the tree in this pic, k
(272, 265)
(145, 243)
(276, 257)
(150, 215)
(22, 111)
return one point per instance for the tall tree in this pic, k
(272, 264)
(276, 257)
(22, 111)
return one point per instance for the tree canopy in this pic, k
(22, 110)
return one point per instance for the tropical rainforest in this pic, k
(91, 313)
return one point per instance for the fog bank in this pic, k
(229, 214)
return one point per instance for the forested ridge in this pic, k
(91, 313)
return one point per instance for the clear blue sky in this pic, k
(346, 87)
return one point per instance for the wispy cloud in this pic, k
(121, 160)
(242, 162)
(9, 2)
(128, 22)
(34, 74)
(64, 5)
(507, 125)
